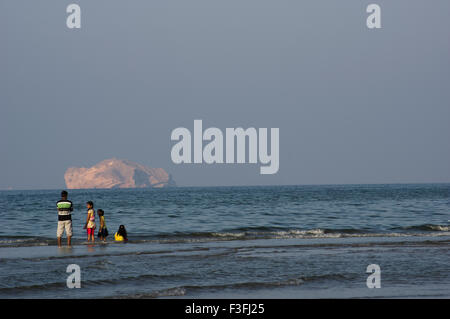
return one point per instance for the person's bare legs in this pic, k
(59, 241)
(69, 240)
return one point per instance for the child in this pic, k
(103, 231)
(121, 234)
(90, 222)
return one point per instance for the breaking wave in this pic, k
(249, 233)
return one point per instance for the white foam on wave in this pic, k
(295, 232)
(440, 228)
(320, 233)
(236, 235)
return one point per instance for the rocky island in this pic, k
(116, 173)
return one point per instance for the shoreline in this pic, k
(331, 280)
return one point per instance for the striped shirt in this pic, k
(65, 209)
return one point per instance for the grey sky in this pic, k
(353, 105)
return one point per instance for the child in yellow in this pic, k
(103, 231)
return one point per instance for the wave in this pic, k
(427, 227)
(4, 288)
(251, 285)
(50, 285)
(249, 233)
(19, 241)
(252, 233)
(171, 292)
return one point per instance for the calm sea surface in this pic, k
(227, 242)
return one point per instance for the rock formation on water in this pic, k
(115, 173)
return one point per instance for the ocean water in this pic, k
(232, 242)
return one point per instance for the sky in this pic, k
(352, 104)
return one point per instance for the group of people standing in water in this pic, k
(65, 209)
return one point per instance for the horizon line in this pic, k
(216, 186)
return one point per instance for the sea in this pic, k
(233, 242)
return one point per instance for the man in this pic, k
(64, 218)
